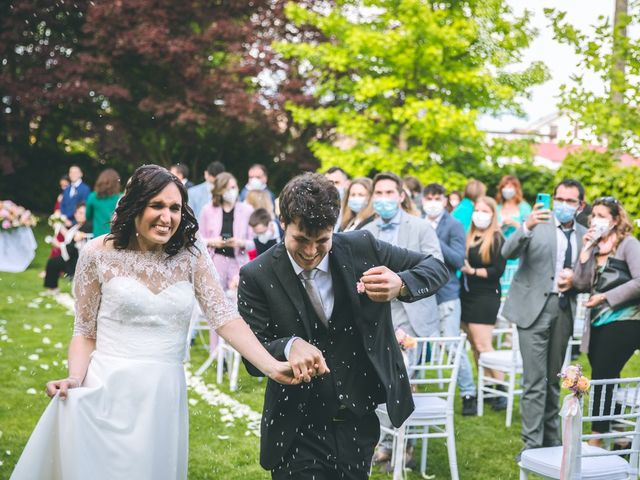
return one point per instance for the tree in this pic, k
(607, 52)
(137, 82)
(400, 83)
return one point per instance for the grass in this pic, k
(218, 448)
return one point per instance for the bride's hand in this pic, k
(281, 372)
(62, 386)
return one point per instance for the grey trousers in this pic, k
(543, 346)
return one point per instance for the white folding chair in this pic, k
(438, 362)
(595, 463)
(222, 353)
(507, 361)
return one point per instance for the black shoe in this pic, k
(499, 404)
(469, 406)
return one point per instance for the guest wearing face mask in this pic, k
(541, 303)
(453, 200)
(257, 180)
(225, 230)
(357, 210)
(609, 268)
(473, 190)
(266, 232)
(452, 243)
(480, 293)
(512, 211)
(224, 226)
(397, 227)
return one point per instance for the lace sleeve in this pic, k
(87, 292)
(217, 308)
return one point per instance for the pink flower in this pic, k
(360, 287)
(6, 224)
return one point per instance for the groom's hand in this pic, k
(381, 284)
(306, 360)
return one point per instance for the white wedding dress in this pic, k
(129, 418)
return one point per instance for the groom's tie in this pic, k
(309, 280)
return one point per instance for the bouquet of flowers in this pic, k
(14, 216)
(573, 379)
(571, 413)
(56, 219)
(405, 341)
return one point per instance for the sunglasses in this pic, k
(606, 201)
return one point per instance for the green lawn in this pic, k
(34, 332)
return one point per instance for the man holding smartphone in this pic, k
(541, 304)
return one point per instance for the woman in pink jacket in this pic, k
(224, 226)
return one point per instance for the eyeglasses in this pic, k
(606, 201)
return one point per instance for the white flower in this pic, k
(46, 340)
(34, 357)
(31, 391)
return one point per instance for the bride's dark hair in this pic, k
(147, 181)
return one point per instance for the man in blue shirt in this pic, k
(76, 192)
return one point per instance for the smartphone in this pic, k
(544, 199)
(226, 236)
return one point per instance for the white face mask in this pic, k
(508, 193)
(255, 184)
(265, 237)
(600, 226)
(433, 208)
(481, 220)
(231, 195)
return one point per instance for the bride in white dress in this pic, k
(122, 411)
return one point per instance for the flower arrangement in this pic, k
(404, 340)
(56, 219)
(573, 379)
(14, 216)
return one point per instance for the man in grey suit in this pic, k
(541, 304)
(398, 228)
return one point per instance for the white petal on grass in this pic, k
(34, 357)
(31, 391)
(46, 340)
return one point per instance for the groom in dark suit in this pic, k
(302, 300)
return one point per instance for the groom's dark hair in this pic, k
(311, 200)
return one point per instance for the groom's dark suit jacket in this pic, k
(360, 346)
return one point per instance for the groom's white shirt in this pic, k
(324, 285)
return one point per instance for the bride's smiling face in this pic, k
(160, 219)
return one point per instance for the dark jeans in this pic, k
(331, 450)
(56, 266)
(610, 347)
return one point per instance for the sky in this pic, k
(560, 59)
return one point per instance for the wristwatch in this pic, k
(404, 290)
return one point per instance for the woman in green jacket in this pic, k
(102, 202)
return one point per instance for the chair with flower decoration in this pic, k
(434, 376)
(578, 460)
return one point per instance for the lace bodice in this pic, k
(147, 295)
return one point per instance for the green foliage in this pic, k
(400, 83)
(602, 175)
(611, 55)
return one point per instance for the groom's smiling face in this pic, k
(307, 248)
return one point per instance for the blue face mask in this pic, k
(563, 212)
(356, 204)
(386, 208)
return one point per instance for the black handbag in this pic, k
(614, 273)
